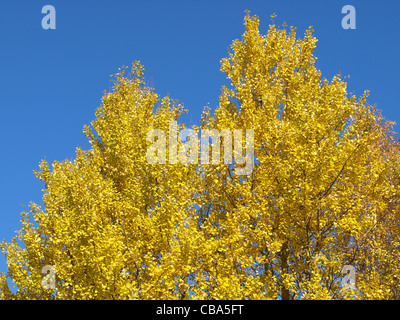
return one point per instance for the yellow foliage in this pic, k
(323, 194)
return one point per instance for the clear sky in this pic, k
(52, 81)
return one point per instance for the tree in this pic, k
(321, 195)
(377, 253)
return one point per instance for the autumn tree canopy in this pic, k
(322, 193)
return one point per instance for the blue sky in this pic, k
(53, 80)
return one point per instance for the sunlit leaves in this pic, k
(323, 193)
